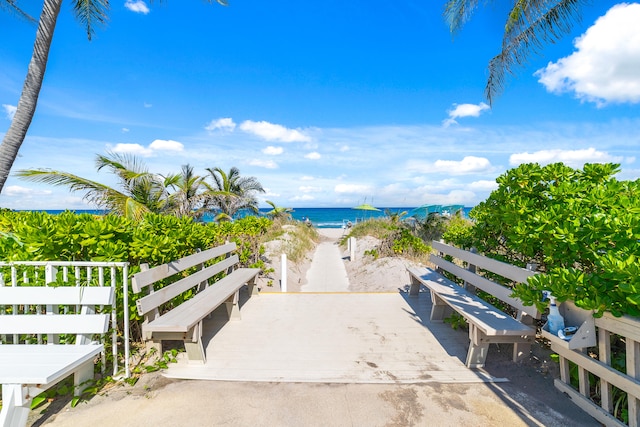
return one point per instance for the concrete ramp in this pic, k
(354, 338)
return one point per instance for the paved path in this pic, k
(327, 272)
(333, 338)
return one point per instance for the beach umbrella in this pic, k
(425, 210)
(365, 207)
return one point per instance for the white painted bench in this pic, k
(41, 314)
(184, 321)
(487, 324)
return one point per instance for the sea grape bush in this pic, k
(157, 239)
(581, 227)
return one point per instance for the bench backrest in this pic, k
(147, 278)
(27, 311)
(508, 271)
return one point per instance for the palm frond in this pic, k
(458, 12)
(91, 13)
(95, 192)
(12, 7)
(526, 32)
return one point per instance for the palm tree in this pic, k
(530, 24)
(141, 191)
(278, 211)
(232, 192)
(188, 198)
(89, 13)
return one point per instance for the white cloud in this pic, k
(303, 198)
(125, 130)
(353, 188)
(309, 189)
(344, 148)
(483, 185)
(137, 6)
(267, 164)
(224, 124)
(313, 155)
(464, 110)
(9, 110)
(306, 178)
(16, 190)
(139, 150)
(468, 165)
(604, 67)
(166, 145)
(147, 105)
(573, 158)
(135, 149)
(273, 151)
(273, 132)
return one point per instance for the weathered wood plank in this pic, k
(185, 316)
(489, 319)
(501, 292)
(146, 278)
(512, 272)
(155, 299)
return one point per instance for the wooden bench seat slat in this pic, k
(61, 295)
(185, 316)
(26, 370)
(146, 278)
(487, 323)
(491, 320)
(515, 273)
(501, 292)
(42, 363)
(54, 324)
(161, 296)
(184, 320)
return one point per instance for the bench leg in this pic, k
(478, 348)
(16, 404)
(414, 290)
(82, 377)
(439, 309)
(252, 288)
(194, 347)
(233, 309)
(522, 351)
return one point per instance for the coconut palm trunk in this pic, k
(31, 90)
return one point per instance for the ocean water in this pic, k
(319, 217)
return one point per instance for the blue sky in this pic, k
(326, 103)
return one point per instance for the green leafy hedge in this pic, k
(157, 239)
(582, 228)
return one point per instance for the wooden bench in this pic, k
(40, 314)
(487, 324)
(184, 321)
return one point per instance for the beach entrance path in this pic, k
(327, 272)
(383, 338)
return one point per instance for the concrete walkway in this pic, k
(327, 272)
(333, 338)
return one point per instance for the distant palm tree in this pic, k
(140, 191)
(231, 192)
(394, 217)
(530, 24)
(188, 197)
(278, 211)
(89, 13)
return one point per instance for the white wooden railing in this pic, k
(75, 273)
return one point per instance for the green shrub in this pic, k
(581, 227)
